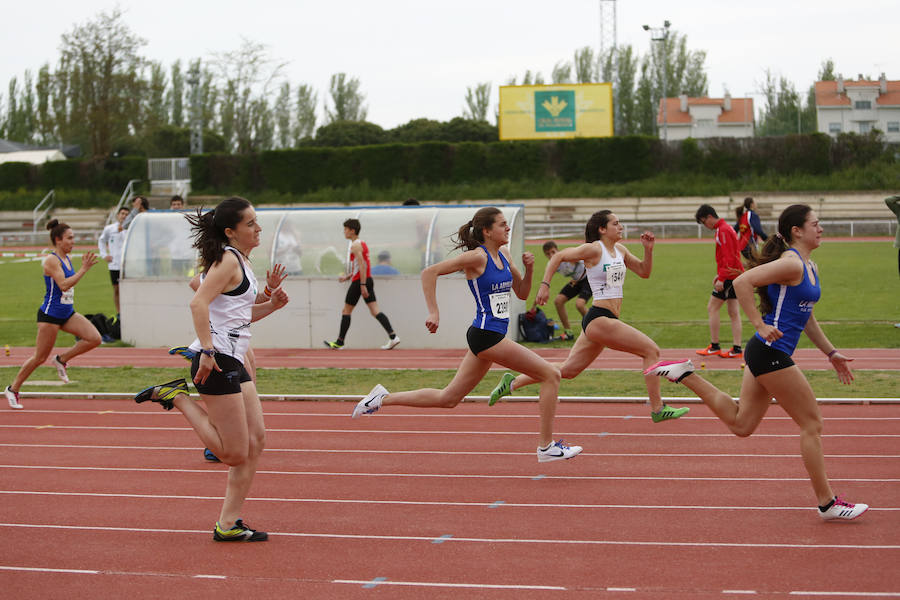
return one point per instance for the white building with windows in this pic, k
(859, 107)
(685, 117)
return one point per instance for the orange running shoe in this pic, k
(710, 351)
(731, 353)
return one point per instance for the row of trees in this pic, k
(108, 98)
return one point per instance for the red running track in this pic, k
(398, 358)
(107, 499)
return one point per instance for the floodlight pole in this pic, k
(661, 34)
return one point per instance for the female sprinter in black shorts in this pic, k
(491, 276)
(605, 260)
(223, 307)
(57, 311)
(788, 285)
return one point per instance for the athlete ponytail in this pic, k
(208, 229)
(471, 235)
(793, 216)
(57, 230)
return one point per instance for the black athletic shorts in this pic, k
(355, 292)
(43, 317)
(727, 292)
(762, 359)
(224, 382)
(114, 276)
(580, 288)
(481, 339)
(595, 312)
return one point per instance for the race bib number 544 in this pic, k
(500, 305)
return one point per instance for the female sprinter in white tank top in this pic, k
(491, 277)
(223, 307)
(606, 261)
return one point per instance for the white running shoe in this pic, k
(13, 398)
(371, 403)
(842, 509)
(391, 343)
(60, 369)
(558, 450)
(673, 370)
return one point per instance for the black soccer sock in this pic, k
(345, 327)
(382, 318)
(827, 506)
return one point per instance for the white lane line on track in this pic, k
(48, 570)
(380, 581)
(366, 501)
(474, 540)
(457, 452)
(448, 475)
(495, 415)
(849, 594)
(793, 435)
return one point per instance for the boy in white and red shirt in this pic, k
(728, 267)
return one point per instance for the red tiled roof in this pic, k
(827, 95)
(741, 110)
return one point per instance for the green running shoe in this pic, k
(667, 412)
(333, 345)
(164, 393)
(502, 388)
(239, 533)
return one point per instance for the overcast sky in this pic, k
(416, 58)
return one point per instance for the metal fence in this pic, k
(688, 229)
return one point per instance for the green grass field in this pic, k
(868, 384)
(860, 301)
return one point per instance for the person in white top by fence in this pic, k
(111, 242)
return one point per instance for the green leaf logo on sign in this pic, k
(554, 111)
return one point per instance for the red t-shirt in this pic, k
(728, 252)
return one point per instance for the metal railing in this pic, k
(35, 217)
(126, 195)
(689, 229)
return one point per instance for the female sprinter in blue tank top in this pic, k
(491, 277)
(606, 261)
(788, 285)
(223, 307)
(57, 311)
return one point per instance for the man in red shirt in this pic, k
(728, 267)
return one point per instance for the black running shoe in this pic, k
(239, 533)
(164, 393)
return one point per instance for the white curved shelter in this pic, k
(159, 261)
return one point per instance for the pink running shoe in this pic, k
(841, 509)
(673, 370)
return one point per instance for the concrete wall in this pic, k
(156, 314)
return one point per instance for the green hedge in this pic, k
(597, 161)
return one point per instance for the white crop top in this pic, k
(230, 314)
(607, 276)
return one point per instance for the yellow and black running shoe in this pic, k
(164, 393)
(238, 533)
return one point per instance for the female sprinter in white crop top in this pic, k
(606, 261)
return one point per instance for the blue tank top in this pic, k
(491, 290)
(58, 303)
(792, 305)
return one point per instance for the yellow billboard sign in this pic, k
(536, 112)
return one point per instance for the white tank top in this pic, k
(230, 314)
(607, 276)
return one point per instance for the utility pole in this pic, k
(661, 34)
(609, 43)
(193, 80)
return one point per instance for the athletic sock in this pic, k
(827, 506)
(382, 318)
(735, 348)
(345, 327)
(714, 346)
